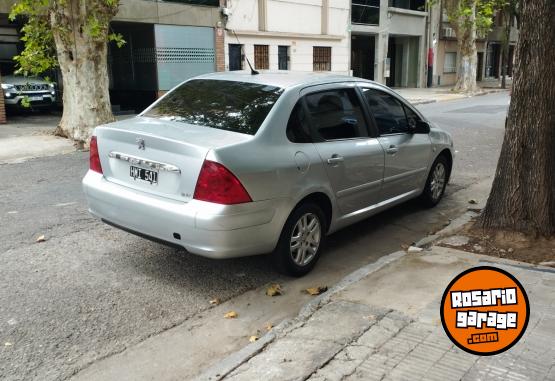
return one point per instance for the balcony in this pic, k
(365, 12)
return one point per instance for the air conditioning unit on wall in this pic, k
(449, 32)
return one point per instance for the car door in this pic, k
(407, 154)
(354, 161)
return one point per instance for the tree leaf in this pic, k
(231, 315)
(316, 290)
(274, 290)
(253, 338)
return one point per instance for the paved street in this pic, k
(91, 291)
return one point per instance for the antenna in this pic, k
(253, 72)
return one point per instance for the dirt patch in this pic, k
(509, 245)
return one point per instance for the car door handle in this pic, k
(336, 159)
(392, 150)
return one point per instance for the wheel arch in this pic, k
(446, 153)
(323, 201)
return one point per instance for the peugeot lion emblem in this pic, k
(141, 143)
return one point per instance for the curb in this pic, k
(232, 362)
(238, 358)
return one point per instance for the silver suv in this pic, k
(234, 164)
(39, 93)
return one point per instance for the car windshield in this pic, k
(226, 105)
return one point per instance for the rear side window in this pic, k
(336, 114)
(225, 105)
(298, 130)
(387, 111)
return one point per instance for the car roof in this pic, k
(283, 79)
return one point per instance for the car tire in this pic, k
(301, 240)
(436, 182)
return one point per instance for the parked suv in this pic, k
(41, 94)
(234, 164)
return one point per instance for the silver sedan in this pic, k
(234, 164)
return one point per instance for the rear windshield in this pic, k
(226, 105)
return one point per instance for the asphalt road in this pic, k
(91, 291)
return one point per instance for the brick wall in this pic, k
(220, 49)
(2, 108)
(220, 41)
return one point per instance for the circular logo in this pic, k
(485, 311)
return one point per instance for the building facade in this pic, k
(166, 43)
(307, 35)
(488, 46)
(389, 40)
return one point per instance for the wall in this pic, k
(301, 25)
(2, 107)
(153, 12)
(450, 46)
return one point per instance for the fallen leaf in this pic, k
(41, 238)
(274, 290)
(269, 327)
(231, 315)
(215, 301)
(253, 338)
(316, 290)
(414, 249)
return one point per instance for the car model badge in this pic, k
(141, 143)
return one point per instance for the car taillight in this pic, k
(94, 159)
(218, 185)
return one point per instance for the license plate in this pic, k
(36, 98)
(143, 174)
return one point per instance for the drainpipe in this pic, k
(430, 78)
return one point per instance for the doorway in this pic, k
(404, 61)
(363, 56)
(480, 68)
(235, 57)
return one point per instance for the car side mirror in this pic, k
(419, 127)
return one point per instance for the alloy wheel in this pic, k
(437, 185)
(305, 239)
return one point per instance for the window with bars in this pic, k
(261, 57)
(322, 58)
(450, 63)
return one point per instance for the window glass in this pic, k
(387, 111)
(336, 114)
(225, 105)
(298, 130)
(412, 117)
(450, 63)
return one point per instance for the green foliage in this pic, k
(45, 18)
(466, 14)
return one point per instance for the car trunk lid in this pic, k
(158, 156)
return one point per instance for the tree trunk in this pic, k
(522, 198)
(467, 57)
(83, 63)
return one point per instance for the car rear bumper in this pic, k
(206, 229)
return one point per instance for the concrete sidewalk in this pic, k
(30, 136)
(385, 325)
(418, 96)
